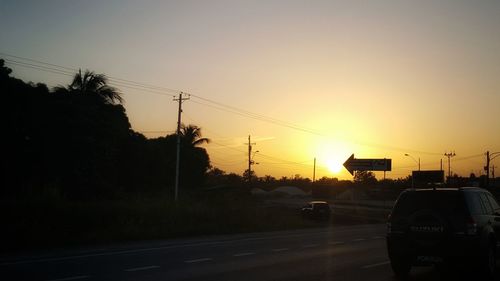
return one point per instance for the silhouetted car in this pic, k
(443, 227)
(317, 210)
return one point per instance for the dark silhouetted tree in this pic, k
(191, 135)
(365, 177)
(252, 175)
(90, 83)
(76, 141)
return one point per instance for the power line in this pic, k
(140, 89)
(159, 90)
(37, 61)
(281, 161)
(59, 69)
(112, 82)
(225, 158)
(227, 164)
(42, 68)
(241, 112)
(287, 162)
(221, 106)
(429, 164)
(303, 163)
(260, 154)
(258, 116)
(156, 132)
(227, 146)
(73, 70)
(468, 157)
(64, 72)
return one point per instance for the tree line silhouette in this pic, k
(76, 142)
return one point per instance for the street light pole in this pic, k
(418, 162)
(253, 156)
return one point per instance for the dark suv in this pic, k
(444, 226)
(317, 210)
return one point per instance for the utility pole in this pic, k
(490, 157)
(250, 162)
(449, 155)
(314, 170)
(487, 168)
(493, 175)
(180, 99)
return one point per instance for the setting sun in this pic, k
(334, 166)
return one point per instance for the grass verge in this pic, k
(31, 224)
(45, 224)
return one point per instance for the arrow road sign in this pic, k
(352, 164)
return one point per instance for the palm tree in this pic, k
(191, 135)
(92, 83)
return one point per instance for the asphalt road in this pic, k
(336, 253)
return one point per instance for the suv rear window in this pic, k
(476, 207)
(493, 202)
(442, 201)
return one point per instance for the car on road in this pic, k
(317, 210)
(443, 227)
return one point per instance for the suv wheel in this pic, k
(400, 268)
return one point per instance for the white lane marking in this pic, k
(142, 268)
(310, 246)
(243, 254)
(198, 260)
(196, 244)
(377, 237)
(336, 243)
(71, 278)
(359, 239)
(376, 264)
(134, 251)
(281, 249)
(110, 253)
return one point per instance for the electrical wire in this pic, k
(71, 71)
(63, 70)
(244, 113)
(156, 132)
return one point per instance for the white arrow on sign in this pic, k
(352, 164)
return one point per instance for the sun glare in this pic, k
(334, 166)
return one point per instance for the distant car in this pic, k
(317, 210)
(444, 226)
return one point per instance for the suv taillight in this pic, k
(470, 226)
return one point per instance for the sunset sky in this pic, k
(322, 79)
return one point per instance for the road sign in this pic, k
(352, 164)
(430, 176)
